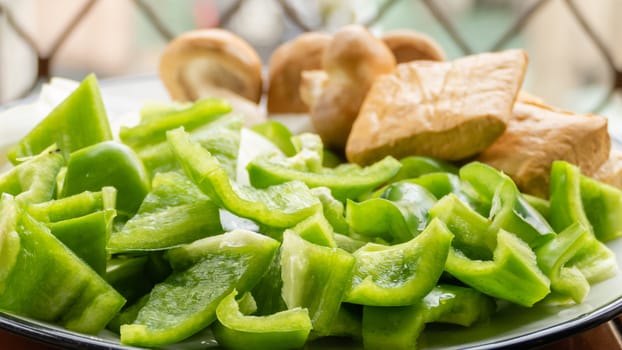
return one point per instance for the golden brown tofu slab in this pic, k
(448, 110)
(537, 135)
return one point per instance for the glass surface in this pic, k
(511, 325)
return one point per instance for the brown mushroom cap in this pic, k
(286, 65)
(409, 45)
(210, 57)
(352, 61)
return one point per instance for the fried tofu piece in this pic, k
(448, 110)
(537, 135)
(611, 171)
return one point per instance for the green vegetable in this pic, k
(79, 121)
(204, 273)
(603, 208)
(34, 180)
(175, 212)
(400, 327)
(402, 274)
(43, 279)
(397, 216)
(415, 166)
(595, 260)
(512, 275)
(277, 206)
(108, 164)
(314, 277)
(316, 229)
(78, 205)
(333, 209)
(278, 134)
(284, 330)
(344, 181)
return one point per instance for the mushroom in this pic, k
(214, 63)
(284, 71)
(352, 61)
(409, 45)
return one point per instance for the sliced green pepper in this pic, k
(603, 208)
(204, 273)
(175, 212)
(595, 260)
(314, 277)
(81, 204)
(221, 137)
(153, 130)
(284, 330)
(344, 181)
(397, 216)
(278, 206)
(512, 275)
(402, 274)
(400, 327)
(567, 281)
(267, 292)
(415, 166)
(278, 134)
(316, 229)
(108, 164)
(79, 121)
(42, 279)
(333, 209)
(34, 180)
(509, 210)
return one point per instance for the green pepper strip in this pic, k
(314, 277)
(509, 210)
(34, 180)
(554, 255)
(512, 275)
(603, 207)
(81, 204)
(333, 209)
(278, 134)
(400, 327)
(175, 212)
(47, 281)
(204, 273)
(345, 181)
(401, 274)
(316, 229)
(400, 213)
(278, 206)
(595, 260)
(79, 121)
(153, 130)
(283, 330)
(416, 166)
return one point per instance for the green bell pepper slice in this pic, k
(415, 166)
(553, 257)
(472, 233)
(333, 209)
(509, 210)
(278, 134)
(345, 181)
(595, 260)
(400, 327)
(135, 276)
(397, 216)
(267, 292)
(347, 243)
(348, 322)
(220, 137)
(401, 274)
(540, 204)
(602, 204)
(281, 206)
(79, 121)
(175, 212)
(34, 180)
(512, 275)
(314, 277)
(204, 273)
(283, 330)
(71, 207)
(153, 130)
(316, 229)
(43, 279)
(108, 164)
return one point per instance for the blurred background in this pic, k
(574, 45)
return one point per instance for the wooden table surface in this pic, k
(606, 336)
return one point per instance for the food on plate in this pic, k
(352, 61)
(409, 45)
(537, 135)
(287, 63)
(214, 63)
(447, 110)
